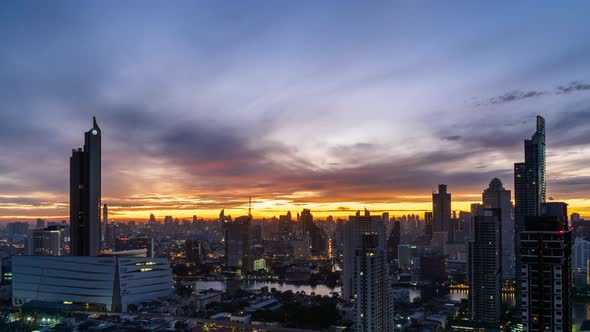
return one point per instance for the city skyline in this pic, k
(196, 120)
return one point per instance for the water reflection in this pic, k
(232, 285)
(580, 313)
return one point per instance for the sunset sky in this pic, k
(329, 105)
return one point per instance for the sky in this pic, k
(331, 105)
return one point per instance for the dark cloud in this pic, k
(572, 87)
(515, 95)
(451, 138)
(22, 201)
(518, 95)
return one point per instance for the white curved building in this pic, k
(96, 283)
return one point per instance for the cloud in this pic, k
(451, 138)
(518, 95)
(515, 95)
(572, 87)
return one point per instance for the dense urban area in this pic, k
(498, 267)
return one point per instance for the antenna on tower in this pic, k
(250, 207)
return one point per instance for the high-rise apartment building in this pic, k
(485, 282)
(496, 197)
(546, 274)
(373, 299)
(353, 230)
(85, 181)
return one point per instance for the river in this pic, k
(581, 311)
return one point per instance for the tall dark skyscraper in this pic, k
(85, 183)
(441, 209)
(441, 219)
(529, 187)
(496, 197)
(485, 261)
(546, 247)
(238, 244)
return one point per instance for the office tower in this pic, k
(373, 301)
(48, 242)
(152, 219)
(529, 185)
(496, 197)
(441, 209)
(393, 241)
(545, 283)
(238, 246)
(85, 195)
(353, 230)
(485, 261)
(40, 223)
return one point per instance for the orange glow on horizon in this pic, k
(268, 208)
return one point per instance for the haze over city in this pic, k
(332, 107)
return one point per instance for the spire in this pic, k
(95, 125)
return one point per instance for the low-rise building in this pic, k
(90, 283)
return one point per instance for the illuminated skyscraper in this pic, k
(85, 181)
(529, 186)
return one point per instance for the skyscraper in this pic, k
(353, 230)
(441, 209)
(238, 244)
(317, 235)
(546, 246)
(529, 187)
(485, 282)
(373, 300)
(85, 180)
(496, 197)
